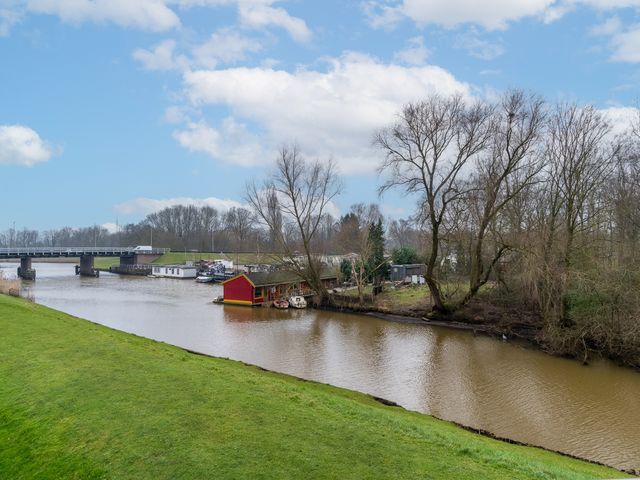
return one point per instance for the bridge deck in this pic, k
(52, 252)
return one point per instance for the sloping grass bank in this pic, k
(81, 401)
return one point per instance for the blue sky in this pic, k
(110, 109)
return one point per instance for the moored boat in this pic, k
(281, 303)
(297, 301)
(205, 278)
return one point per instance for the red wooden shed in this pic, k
(261, 288)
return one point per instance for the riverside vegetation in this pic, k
(78, 400)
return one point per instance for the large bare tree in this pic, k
(426, 151)
(292, 203)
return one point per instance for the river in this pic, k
(512, 391)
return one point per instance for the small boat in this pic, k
(218, 299)
(204, 278)
(297, 301)
(281, 303)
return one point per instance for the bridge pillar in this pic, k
(25, 271)
(86, 267)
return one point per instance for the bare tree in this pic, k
(425, 153)
(581, 161)
(292, 203)
(239, 222)
(512, 163)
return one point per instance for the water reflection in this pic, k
(511, 391)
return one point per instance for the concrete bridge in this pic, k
(128, 256)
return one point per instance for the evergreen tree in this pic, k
(377, 267)
(345, 270)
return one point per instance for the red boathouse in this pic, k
(260, 288)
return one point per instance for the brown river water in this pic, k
(512, 391)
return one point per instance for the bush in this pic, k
(404, 255)
(9, 287)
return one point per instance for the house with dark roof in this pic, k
(262, 288)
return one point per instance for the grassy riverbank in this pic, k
(78, 400)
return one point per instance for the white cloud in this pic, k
(626, 45)
(225, 46)
(259, 14)
(111, 227)
(490, 14)
(333, 112)
(607, 4)
(8, 18)
(231, 143)
(380, 15)
(145, 206)
(478, 47)
(608, 27)
(160, 57)
(151, 15)
(415, 53)
(620, 118)
(176, 114)
(623, 41)
(20, 145)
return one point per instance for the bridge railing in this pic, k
(72, 251)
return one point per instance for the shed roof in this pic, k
(172, 265)
(280, 277)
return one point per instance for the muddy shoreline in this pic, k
(505, 326)
(510, 330)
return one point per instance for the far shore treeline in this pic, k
(520, 204)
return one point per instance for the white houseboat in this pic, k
(174, 271)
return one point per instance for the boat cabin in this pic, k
(262, 288)
(174, 271)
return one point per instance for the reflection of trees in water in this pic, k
(473, 381)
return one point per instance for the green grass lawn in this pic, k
(81, 401)
(183, 257)
(415, 296)
(105, 262)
